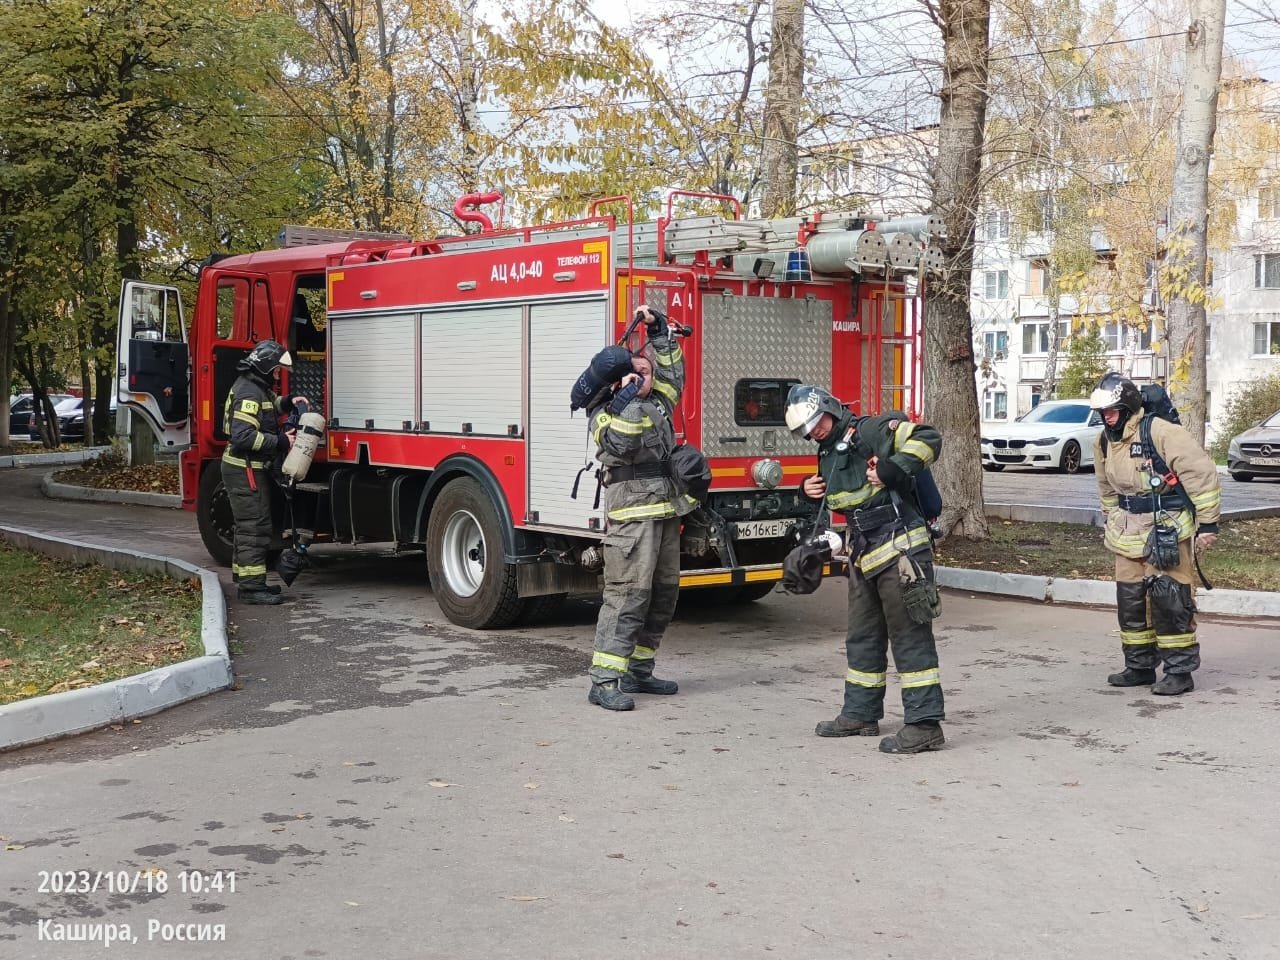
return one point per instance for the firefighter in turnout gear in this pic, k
(1155, 596)
(866, 470)
(251, 422)
(635, 437)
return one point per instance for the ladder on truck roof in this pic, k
(829, 243)
(837, 243)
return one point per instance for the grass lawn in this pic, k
(1246, 556)
(64, 626)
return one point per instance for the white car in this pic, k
(1058, 434)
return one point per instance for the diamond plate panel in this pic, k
(306, 379)
(758, 337)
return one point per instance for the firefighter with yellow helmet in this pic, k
(1153, 528)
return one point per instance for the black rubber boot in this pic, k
(260, 595)
(914, 738)
(608, 695)
(642, 680)
(1173, 684)
(1129, 677)
(843, 726)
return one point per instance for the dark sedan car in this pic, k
(20, 412)
(70, 415)
(1256, 452)
(71, 420)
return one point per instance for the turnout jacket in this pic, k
(902, 449)
(643, 436)
(1122, 472)
(251, 419)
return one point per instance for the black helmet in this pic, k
(265, 356)
(1116, 390)
(805, 406)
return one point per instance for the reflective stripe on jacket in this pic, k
(902, 449)
(644, 433)
(1121, 470)
(251, 421)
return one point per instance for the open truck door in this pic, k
(153, 371)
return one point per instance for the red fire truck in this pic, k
(443, 369)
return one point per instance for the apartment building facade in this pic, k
(1015, 317)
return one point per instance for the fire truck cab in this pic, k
(443, 368)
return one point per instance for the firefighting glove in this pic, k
(657, 325)
(624, 396)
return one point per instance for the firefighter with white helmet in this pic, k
(251, 423)
(1155, 596)
(635, 437)
(866, 470)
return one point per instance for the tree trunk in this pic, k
(1050, 381)
(142, 449)
(783, 96)
(8, 334)
(951, 393)
(1188, 213)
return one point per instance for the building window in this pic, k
(1266, 271)
(1266, 338)
(1208, 343)
(1044, 210)
(995, 284)
(996, 225)
(995, 345)
(1039, 278)
(1035, 335)
(995, 405)
(1116, 173)
(1269, 203)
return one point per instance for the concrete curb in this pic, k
(54, 490)
(48, 459)
(1102, 593)
(77, 711)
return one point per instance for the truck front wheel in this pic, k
(472, 583)
(213, 515)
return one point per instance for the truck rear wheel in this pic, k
(213, 515)
(472, 584)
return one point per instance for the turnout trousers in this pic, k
(641, 584)
(1157, 618)
(247, 488)
(877, 620)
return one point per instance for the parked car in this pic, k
(1256, 452)
(1057, 434)
(70, 414)
(20, 412)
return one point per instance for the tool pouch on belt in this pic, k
(1162, 544)
(919, 593)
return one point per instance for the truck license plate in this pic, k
(762, 529)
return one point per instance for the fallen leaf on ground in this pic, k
(532, 786)
(5, 663)
(616, 856)
(440, 783)
(564, 819)
(524, 898)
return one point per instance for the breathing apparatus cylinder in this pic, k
(307, 439)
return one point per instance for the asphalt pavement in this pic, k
(384, 784)
(1047, 492)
